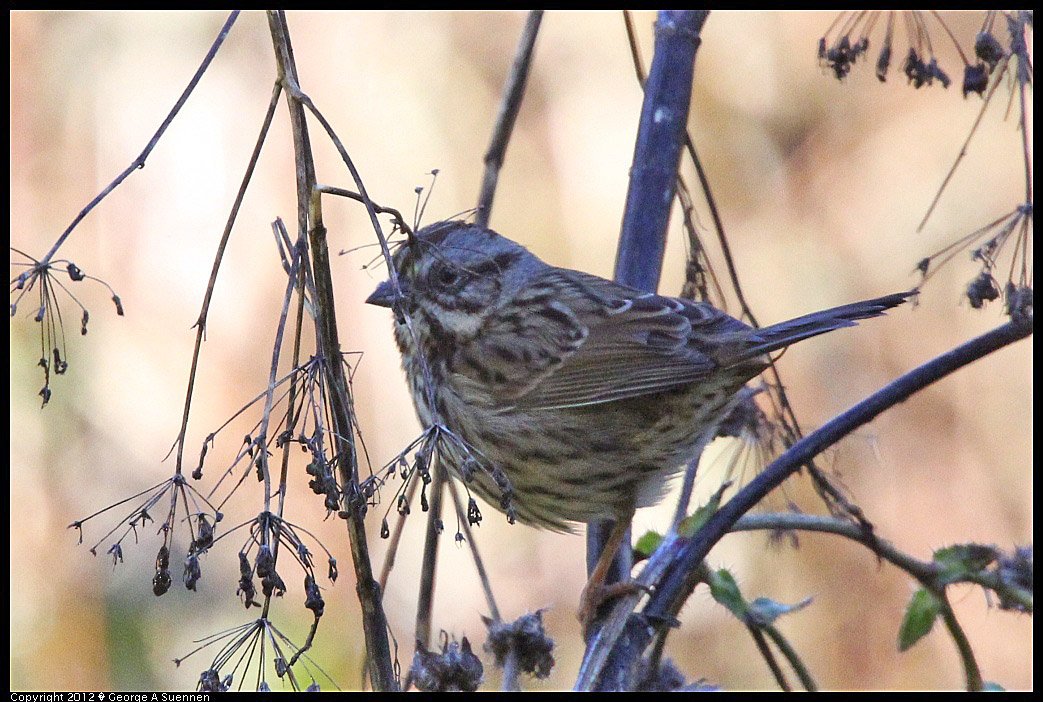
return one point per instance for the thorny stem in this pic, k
(657, 152)
(970, 664)
(662, 604)
(841, 527)
(926, 572)
(677, 561)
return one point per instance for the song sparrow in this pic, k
(587, 394)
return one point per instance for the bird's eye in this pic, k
(447, 277)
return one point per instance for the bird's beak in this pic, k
(384, 295)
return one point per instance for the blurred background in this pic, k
(821, 185)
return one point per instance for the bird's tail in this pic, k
(781, 335)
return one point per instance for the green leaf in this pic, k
(647, 544)
(919, 618)
(961, 560)
(725, 590)
(691, 524)
(650, 540)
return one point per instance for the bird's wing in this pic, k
(605, 341)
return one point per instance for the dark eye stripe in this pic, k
(494, 265)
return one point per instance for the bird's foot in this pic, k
(596, 594)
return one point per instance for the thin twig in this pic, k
(483, 576)
(970, 665)
(139, 162)
(204, 311)
(513, 92)
(963, 149)
(396, 535)
(769, 658)
(374, 623)
(343, 192)
(791, 656)
(269, 395)
(429, 561)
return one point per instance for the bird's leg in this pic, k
(596, 592)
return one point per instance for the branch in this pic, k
(374, 623)
(653, 180)
(139, 162)
(663, 602)
(680, 560)
(509, 107)
(660, 137)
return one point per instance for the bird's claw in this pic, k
(596, 594)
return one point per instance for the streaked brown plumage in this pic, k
(587, 394)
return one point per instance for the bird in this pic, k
(576, 397)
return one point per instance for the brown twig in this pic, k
(513, 92)
(374, 623)
(429, 561)
(139, 162)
